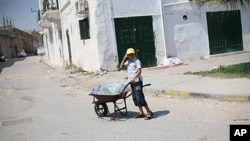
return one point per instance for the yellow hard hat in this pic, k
(130, 51)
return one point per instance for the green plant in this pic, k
(233, 71)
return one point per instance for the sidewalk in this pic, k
(171, 81)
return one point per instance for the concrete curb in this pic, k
(176, 93)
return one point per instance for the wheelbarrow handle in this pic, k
(149, 84)
(130, 83)
(142, 86)
(146, 85)
(129, 95)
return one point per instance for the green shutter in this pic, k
(84, 28)
(224, 31)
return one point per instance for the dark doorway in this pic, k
(136, 32)
(224, 31)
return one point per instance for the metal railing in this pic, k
(49, 5)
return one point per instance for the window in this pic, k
(84, 28)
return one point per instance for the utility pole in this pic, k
(3, 23)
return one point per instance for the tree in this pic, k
(233, 3)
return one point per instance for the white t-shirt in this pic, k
(132, 67)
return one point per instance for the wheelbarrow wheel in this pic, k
(101, 109)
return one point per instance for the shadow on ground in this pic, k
(9, 63)
(131, 114)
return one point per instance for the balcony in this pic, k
(44, 24)
(50, 10)
(41, 22)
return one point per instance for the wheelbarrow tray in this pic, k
(108, 98)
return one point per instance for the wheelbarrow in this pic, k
(100, 102)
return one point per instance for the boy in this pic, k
(134, 76)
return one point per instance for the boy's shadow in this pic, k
(131, 114)
(158, 114)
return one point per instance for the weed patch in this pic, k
(233, 71)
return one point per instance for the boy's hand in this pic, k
(125, 56)
(121, 66)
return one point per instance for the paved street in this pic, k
(38, 103)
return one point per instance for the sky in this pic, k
(19, 11)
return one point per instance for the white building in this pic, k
(94, 34)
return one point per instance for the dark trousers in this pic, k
(137, 94)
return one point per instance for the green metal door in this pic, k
(136, 32)
(224, 31)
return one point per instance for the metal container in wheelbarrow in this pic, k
(100, 102)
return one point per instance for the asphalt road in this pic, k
(38, 103)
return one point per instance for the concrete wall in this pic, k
(15, 39)
(84, 52)
(245, 21)
(54, 44)
(53, 40)
(174, 36)
(6, 46)
(105, 36)
(129, 8)
(100, 51)
(188, 39)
